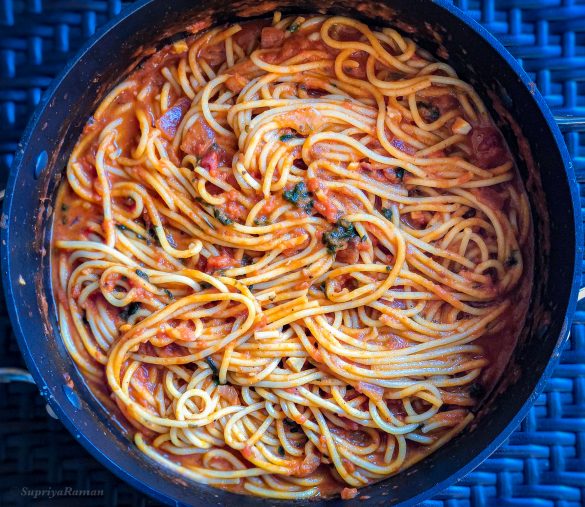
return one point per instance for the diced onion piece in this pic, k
(295, 363)
(460, 126)
(180, 46)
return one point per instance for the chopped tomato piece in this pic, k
(210, 160)
(271, 37)
(313, 184)
(397, 408)
(272, 202)
(489, 197)
(229, 394)
(359, 70)
(445, 102)
(247, 38)
(348, 493)
(219, 173)
(419, 218)
(198, 138)
(362, 246)
(325, 207)
(488, 146)
(233, 208)
(294, 45)
(169, 121)
(347, 255)
(213, 55)
(350, 254)
(307, 466)
(222, 261)
(236, 82)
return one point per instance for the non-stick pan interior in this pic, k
(515, 106)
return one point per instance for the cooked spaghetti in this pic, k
(294, 252)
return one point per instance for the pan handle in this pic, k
(9, 375)
(570, 123)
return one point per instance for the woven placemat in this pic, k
(542, 464)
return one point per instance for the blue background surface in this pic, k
(543, 462)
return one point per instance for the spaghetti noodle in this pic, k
(290, 249)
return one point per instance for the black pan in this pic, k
(516, 105)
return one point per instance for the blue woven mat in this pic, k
(542, 464)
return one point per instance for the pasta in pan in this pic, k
(293, 251)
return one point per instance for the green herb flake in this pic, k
(142, 274)
(130, 310)
(214, 370)
(287, 137)
(281, 451)
(211, 364)
(299, 196)
(121, 227)
(153, 235)
(387, 213)
(297, 193)
(169, 294)
(399, 171)
(337, 238)
(293, 28)
(261, 221)
(64, 208)
(222, 217)
(292, 425)
(308, 206)
(429, 112)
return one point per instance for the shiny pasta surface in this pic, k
(294, 254)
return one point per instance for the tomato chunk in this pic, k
(488, 146)
(271, 37)
(169, 122)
